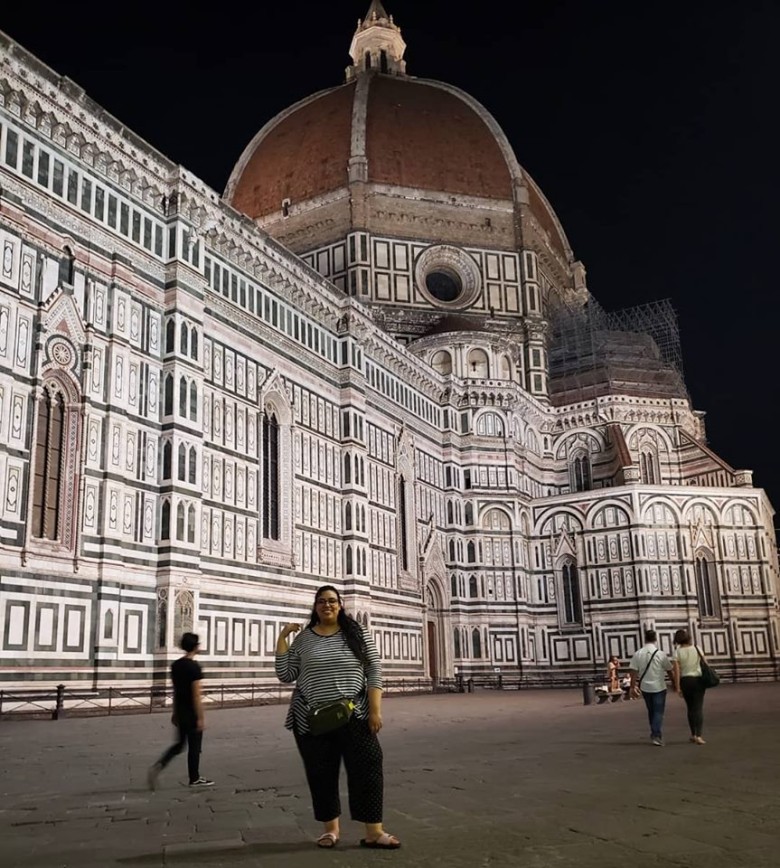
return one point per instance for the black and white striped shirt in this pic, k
(325, 670)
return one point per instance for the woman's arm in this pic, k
(676, 675)
(288, 662)
(374, 682)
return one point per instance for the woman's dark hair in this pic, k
(353, 633)
(682, 637)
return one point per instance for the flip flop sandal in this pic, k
(327, 841)
(384, 842)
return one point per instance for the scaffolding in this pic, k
(594, 352)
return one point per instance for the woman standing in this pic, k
(333, 659)
(613, 673)
(686, 675)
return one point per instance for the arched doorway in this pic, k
(437, 654)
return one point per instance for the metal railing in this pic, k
(61, 701)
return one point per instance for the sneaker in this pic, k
(202, 782)
(659, 742)
(152, 775)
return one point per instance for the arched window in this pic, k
(165, 520)
(367, 57)
(473, 591)
(452, 549)
(270, 477)
(707, 588)
(403, 517)
(347, 468)
(471, 553)
(108, 625)
(184, 340)
(193, 474)
(182, 463)
(456, 641)
(383, 61)
(478, 365)
(476, 643)
(348, 567)
(67, 261)
(490, 425)
(581, 472)
(450, 513)
(504, 367)
(348, 517)
(647, 467)
(168, 395)
(194, 344)
(193, 402)
(167, 459)
(170, 336)
(442, 362)
(454, 585)
(183, 397)
(572, 599)
(180, 521)
(49, 461)
(191, 524)
(469, 513)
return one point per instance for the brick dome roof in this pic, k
(412, 133)
(384, 134)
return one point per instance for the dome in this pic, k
(351, 151)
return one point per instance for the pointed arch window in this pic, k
(167, 459)
(165, 520)
(184, 340)
(348, 517)
(647, 467)
(572, 597)
(180, 521)
(191, 524)
(168, 396)
(194, 344)
(348, 561)
(453, 585)
(270, 477)
(471, 553)
(183, 397)
(582, 475)
(707, 588)
(193, 402)
(170, 336)
(456, 641)
(476, 643)
(473, 590)
(402, 513)
(182, 464)
(193, 466)
(67, 261)
(49, 459)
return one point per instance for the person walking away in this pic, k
(333, 660)
(688, 683)
(648, 668)
(187, 717)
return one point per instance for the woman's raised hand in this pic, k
(288, 629)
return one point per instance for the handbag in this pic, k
(709, 677)
(639, 683)
(330, 717)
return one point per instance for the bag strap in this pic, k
(647, 667)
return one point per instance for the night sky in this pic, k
(650, 127)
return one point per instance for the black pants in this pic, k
(693, 693)
(190, 735)
(362, 755)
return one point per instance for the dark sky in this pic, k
(651, 127)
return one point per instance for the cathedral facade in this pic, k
(373, 361)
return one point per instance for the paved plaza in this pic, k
(527, 778)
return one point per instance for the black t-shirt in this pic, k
(185, 672)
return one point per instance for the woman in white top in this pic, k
(686, 675)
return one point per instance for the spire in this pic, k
(377, 44)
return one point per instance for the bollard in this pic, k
(58, 708)
(588, 693)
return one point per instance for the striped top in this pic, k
(325, 670)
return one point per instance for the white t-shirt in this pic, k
(688, 658)
(654, 680)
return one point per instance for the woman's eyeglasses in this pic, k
(333, 602)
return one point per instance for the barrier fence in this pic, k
(64, 701)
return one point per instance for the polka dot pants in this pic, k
(362, 755)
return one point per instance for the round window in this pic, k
(443, 285)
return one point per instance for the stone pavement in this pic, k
(526, 778)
